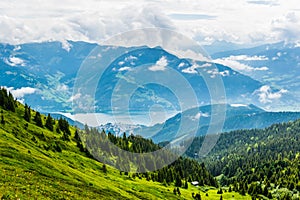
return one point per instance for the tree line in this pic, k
(181, 170)
(257, 161)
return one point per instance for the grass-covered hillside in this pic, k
(40, 161)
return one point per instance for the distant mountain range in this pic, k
(43, 75)
(276, 65)
(238, 117)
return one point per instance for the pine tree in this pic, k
(7, 100)
(186, 185)
(63, 125)
(11, 103)
(2, 120)
(197, 196)
(38, 119)
(104, 169)
(86, 129)
(2, 97)
(220, 191)
(174, 191)
(77, 136)
(178, 191)
(265, 192)
(49, 123)
(178, 182)
(27, 113)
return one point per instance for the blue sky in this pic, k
(238, 21)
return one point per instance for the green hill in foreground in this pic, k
(36, 163)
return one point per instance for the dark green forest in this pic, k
(259, 162)
(106, 147)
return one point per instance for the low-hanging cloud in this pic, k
(287, 27)
(266, 95)
(233, 62)
(160, 65)
(20, 93)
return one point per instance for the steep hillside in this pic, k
(37, 163)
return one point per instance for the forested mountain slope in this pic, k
(260, 162)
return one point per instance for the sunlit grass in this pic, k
(28, 171)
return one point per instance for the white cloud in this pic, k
(66, 45)
(193, 69)
(205, 65)
(264, 2)
(121, 63)
(224, 73)
(62, 87)
(199, 115)
(92, 20)
(286, 27)
(14, 61)
(124, 69)
(130, 58)
(74, 97)
(266, 95)
(20, 93)
(17, 48)
(192, 55)
(233, 63)
(11, 73)
(248, 58)
(160, 65)
(238, 105)
(181, 65)
(215, 72)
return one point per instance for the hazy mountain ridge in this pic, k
(276, 65)
(237, 117)
(50, 69)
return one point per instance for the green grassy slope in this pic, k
(32, 168)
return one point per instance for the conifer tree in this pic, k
(49, 122)
(11, 103)
(104, 168)
(178, 191)
(63, 125)
(2, 96)
(175, 191)
(7, 100)
(27, 113)
(38, 119)
(2, 120)
(178, 182)
(186, 185)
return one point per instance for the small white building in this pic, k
(195, 183)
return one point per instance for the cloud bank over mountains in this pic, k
(244, 21)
